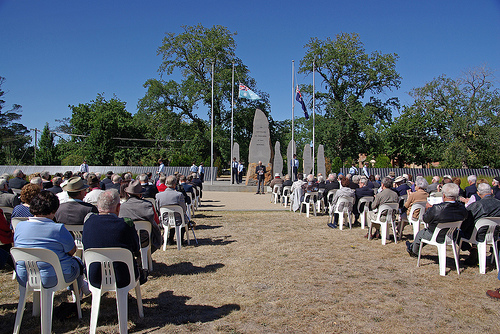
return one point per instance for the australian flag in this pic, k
(246, 93)
(299, 99)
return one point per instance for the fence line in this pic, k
(169, 170)
(429, 171)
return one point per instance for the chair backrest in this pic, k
(190, 195)
(77, 231)
(487, 223)
(331, 194)
(436, 194)
(142, 225)
(345, 201)
(277, 188)
(416, 206)
(171, 210)
(16, 221)
(7, 212)
(309, 195)
(287, 190)
(366, 200)
(389, 209)
(31, 256)
(451, 227)
(106, 256)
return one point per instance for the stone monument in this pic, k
(307, 156)
(260, 148)
(320, 161)
(278, 159)
(236, 151)
(289, 157)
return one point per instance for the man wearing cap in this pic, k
(95, 190)
(74, 210)
(137, 209)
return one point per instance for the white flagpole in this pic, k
(212, 132)
(314, 114)
(232, 124)
(293, 105)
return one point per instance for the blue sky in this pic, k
(57, 53)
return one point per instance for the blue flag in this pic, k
(299, 99)
(245, 93)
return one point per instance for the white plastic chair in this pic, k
(77, 231)
(17, 220)
(287, 191)
(106, 257)
(171, 210)
(331, 195)
(416, 222)
(367, 200)
(346, 202)
(489, 239)
(197, 197)
(7, 212)
(43, 298)
(390, 209)
(190, 206)
(147, 261)
(449, 240)
(320, 203)
(309, 201)
(275, 195)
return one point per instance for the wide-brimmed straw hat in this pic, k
(74, 185)
(134, 188)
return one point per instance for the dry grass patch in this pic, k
(280, 272)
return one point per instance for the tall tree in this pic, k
(47, 151)
(14, 138)
(192, 54)
(351, 81)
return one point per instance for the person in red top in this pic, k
(161, 186)
(6, 240)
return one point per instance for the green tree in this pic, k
(192, 54)
(47, 151)
(455, 121)
(105, 129)
(352, 79)
(14, 138)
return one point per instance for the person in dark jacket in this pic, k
(450, 210)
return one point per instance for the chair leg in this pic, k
(362, 218)
(150, 259)
(383, 232)
(419, 252)
(139, 300)
(495, 252)
(166, 232)
(442, 259)
(341, 220)
(394, 232)
(36, 303)
(122, 307)
(20, 308)
(94, 312)
(455, 256)
(178, 236)
(47, 299)
(416, 228)
(481, 250)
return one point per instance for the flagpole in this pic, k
(293, 106)
(212, 132)
(232, 124)
(314, 113)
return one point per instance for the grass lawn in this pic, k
(280, 272)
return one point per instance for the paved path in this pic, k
(238, 201)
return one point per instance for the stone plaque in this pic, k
(320, 161)
(260, 144)
(289, 157)
(307, 156)
(278, 159)
(236, 151)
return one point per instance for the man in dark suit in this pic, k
(471, 190)
(7, 199)
(115, 183)
(260, 170)
(449, 210)
(106, 180)
(18, 181)
(362, 191)
(56, 185)
(73, 211)
(172, 197)
(149, 190)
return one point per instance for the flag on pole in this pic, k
(299, 99)
(245, 93)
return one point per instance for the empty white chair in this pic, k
(275, 195)
(441, 246)
(486, 225)
(309, 201)
(43, 298)
(106, 257)
(170, 210)
(77, 231)
(390, 209)
(346, 203)
(147, 261)
(363, 214)
(287, 192)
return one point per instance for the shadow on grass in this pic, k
(202, 215)
(206, 227)
(183, 268)
(168, 308)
